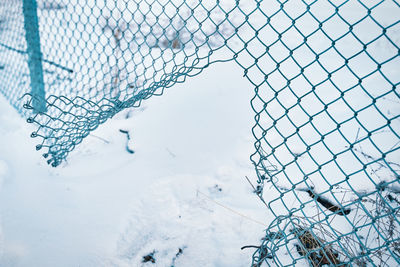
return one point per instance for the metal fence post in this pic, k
(31, 24)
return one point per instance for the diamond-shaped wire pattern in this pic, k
(325, 75)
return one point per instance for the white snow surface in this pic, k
(183, 188)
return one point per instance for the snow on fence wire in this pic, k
(326, 100)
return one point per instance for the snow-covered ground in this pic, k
(182, 197)
(107, 207)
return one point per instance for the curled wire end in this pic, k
(27, 106)
(263, 251)
(24, 95)
(249, 246)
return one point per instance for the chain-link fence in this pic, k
(325, 75)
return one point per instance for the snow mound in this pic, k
(176, 221)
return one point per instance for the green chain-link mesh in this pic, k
(326, 103)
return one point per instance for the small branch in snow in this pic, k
(326, 202)
(169, 152)
(128, 114)
(180, 251)
(127, 142)
(100, 138)
(149, 257)
(249, 246)
(391, 198)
